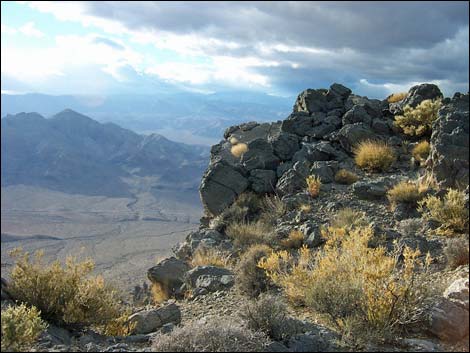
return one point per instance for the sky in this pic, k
(279, 48)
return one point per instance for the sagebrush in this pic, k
(250, 279)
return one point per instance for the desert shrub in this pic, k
(205, 256)
(450, 212)
(268, 314)
(305, 207)
(250, 279)
(292, 273)
(374, 155)
(216, 335)
(245, 234)
(233, 140)
(457, 252)
(396, 97)
(427, 182)
(272, 208)
(66, 295)
(347, 217)
(418, 121)
(313, 185)
(352, 282)
(404, 192)
(421, 151)
(239, 149)
(344, 176)
(294, 241)
(21, 327)
(245, 208)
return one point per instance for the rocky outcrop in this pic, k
(448, 159)
(147, 321)
(325, 125)
(169, 274)
(415, 96)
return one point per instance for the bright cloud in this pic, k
(30, 30)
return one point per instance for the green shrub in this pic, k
(450, 212)
(21, 327)
(216, 335)
(250, 279)
(418, 121)
(65, 295)
(374, 155)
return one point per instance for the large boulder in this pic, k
(284, 144)
(169, 274)
(351, 134)
(326, 170)
(220, 186)
(448, 159)
(260, 155)
(151, 320)
(209, 278)
(322, 100)
(419, 93)
(449, 319)
(293, 180)
(208, 238)
(262, 181)
(370, 190)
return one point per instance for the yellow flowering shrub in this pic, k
(418, 121)
(65, 294)
(21, 327)
(450, 212)
(351, 282)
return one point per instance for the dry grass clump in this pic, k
(246, 208)
(351, 282)
(272, 208)
(205, 256)
(159, 293)
(21, 327)
(344, 176)
(457, 252)
(239, 149)
(450, 212)
(245, 234)
(396, 97)
(305, 208)
(418, 121)
(374, 155)
(294, 241)
(313, 185)
(404, 192)
(268, 314)
(347, 217)
(421, 151)
(250, 279)
(65, 294)
(216, 335)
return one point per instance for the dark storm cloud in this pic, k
(382, 41)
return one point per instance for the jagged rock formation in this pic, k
(449, 155)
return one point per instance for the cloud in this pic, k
(287, 46)
(29, 29)
(8, 30)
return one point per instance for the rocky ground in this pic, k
(317, 138)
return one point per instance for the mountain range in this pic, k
(182, 116)
(73, 153)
